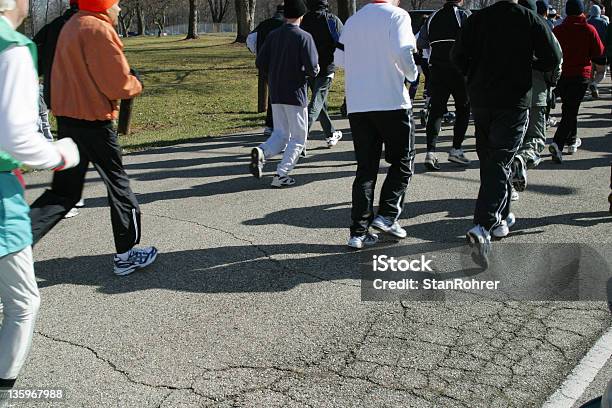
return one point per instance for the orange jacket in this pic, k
(90, 73)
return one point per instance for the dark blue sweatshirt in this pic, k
(288, 56)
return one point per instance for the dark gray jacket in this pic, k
(288, 57)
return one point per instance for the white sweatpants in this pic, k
(291, 130)
(20, 302)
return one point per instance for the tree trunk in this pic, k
(122, 27)
(608, 5)
(346, 8)
(245, 19)
(192, 26)
(140, 20)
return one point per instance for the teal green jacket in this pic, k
(15, 228)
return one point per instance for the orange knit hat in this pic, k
(96, 6)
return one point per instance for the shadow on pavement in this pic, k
(233, 269)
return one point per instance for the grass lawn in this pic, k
(194, 89)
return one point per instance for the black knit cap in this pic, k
(574, 7)
(295, 8)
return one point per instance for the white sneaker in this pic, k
(431, 161)
(80, 204)
(480, 242)
(573, 148)
(368, 239)
(282, 181)
(393, 228)
(458, 156)
(502, 230)
(138, 258)
(72, 213)
(334, 139)
(514, 195)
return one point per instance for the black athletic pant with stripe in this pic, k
(499, 134)
(97, 143)
(370, 131)
(444, 82)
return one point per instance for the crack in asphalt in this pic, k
(115, 368)
(265, 253)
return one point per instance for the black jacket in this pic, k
(287, 57)
(497, 49)
(266, 27)
(440, 33)
(46, 42)
(319, 22)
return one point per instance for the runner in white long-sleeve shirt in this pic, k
(376, 51)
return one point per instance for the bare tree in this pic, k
(141, 25)
(192, 23)
(418, 4)
(245, 17)
(218, 9)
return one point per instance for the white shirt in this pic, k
(19, 97)
(377, 57)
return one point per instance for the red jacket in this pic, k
(580, 44)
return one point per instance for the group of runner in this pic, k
(500, 64)
(375, 48)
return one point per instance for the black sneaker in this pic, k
(519, 173)
(554, 150)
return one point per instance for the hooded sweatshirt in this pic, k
(580, 43)
(90, 74)
(598, 22)
(317, 23)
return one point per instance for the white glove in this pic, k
(69, 152)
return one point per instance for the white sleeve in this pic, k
(251, 42)
(19, 135)
(403, 45)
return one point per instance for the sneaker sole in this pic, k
(519, 181)
(477, 256)
(387, 230)
(456, 160)
(125, 272)
(555, 158)
(256, 164)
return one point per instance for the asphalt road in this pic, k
(255, 300)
